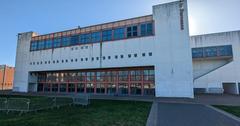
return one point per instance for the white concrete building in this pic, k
(147, 55)
(216, 62)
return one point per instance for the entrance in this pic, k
(230, 88)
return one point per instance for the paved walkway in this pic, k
(175, 114)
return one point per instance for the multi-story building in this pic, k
(148, 55)
(6, 77)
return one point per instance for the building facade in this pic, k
(148, 55)
(216, 62)
(6, 77)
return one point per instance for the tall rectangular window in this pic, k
(56, 42)
(146, 29)
(96, 37)
(132, 31)
(119, 33)
(41, 45)
(85, 38)
(65, 41)
(48, 44)
(74, 40)
(33, 45)
(107, 35)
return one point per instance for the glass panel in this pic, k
(119, 33)
(49, 44)
(80, 88)
(100, 88)
(123, 89)
(63, 87)
(123, 75)
(41, 45)
(65, 41)
(47, 87)
(74, 40)
(111, 88)
(149, 89)
(33, 45)
(96, 37)
(71, 87)
(107, 35)
(136, 89)
(54, 87)
(57, 42)
(85, 38)
(90, 88)
(40, 88)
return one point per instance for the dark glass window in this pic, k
(132, 31)
(57, 42)
(33, 45)
(150, 54)
(85, 38)
(121, 56)
(54, 87)
(80, 88)
(49, 44)
(74, 40)
(41, 45)
(109, 57)
(71, 87)
(63, 88)
(96, 37)
(146, 29)
(143, 54)
(107, 35)
(119, 33)
(65, 41)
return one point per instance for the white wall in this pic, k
(227, 73)
(173, 61)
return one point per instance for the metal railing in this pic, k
(24, 105)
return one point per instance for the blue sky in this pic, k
(45, 16)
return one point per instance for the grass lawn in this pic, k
(99, 113)
(235, 110)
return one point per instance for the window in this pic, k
(76, 60)
(104, 57)
(135, 55)
(63, 88)
(86, 59)
(48, 44)
(74, 40)
(116, 57)
(33, 45)
(92, 59)
(107, 35)
(121, 56)
(132, 31)
(81, 59)
(146, 29)
(97, 58)
(109, 57)
(85, 38)
(143, 54)
(71, 60)
(71, 87)
(150, 54)
(41, 45)
(65, 41)
(56, 42)
(129, 55)
(80, 87)
(119, 33)
(96, 37)
(66, 61)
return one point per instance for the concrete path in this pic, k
(176, 114)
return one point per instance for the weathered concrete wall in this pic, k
(229, 73)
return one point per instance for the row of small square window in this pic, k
(92, 59)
